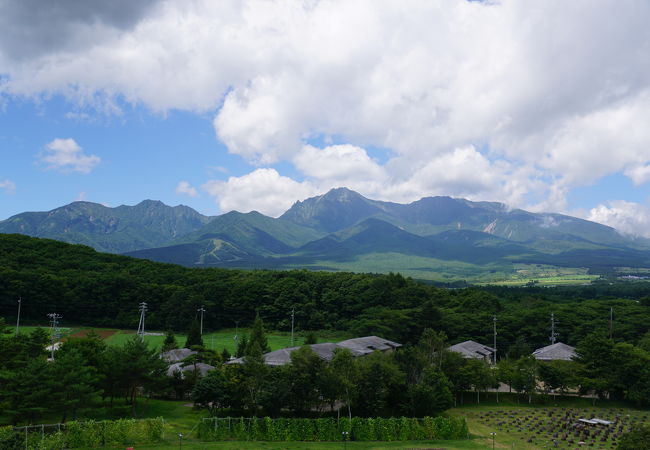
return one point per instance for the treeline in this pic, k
(104, 290)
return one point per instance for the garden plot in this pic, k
(563, 427)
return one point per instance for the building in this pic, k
(201, 369)
(555, 352)
(325, 351)
(177, 355)
(473, 350)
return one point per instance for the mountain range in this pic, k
(342, 230)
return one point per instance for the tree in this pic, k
(311, 338)
(213, 392)
(170, 342)
(143, 368)
(306, 374)
(595, 359)
(344, 376)
(194, 338)
(558, 375)
(525, 376)
(431, 395)
(74, 382)
(258, 336)
(519, 349)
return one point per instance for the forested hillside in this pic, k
(95, 289)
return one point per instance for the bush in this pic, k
(329, 429)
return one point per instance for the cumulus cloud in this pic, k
(628, 217)
(65, 155)
(263, 190)
(8, 186)
(480, 99)
(185, 188)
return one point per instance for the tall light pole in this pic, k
(20, 300)
(201, 310)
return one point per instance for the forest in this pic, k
(103, 290)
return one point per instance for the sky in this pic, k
(254, 104)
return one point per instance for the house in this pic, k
(474, 350)
(555, 352)
(177, 355)
(325, 351)
(201, 368)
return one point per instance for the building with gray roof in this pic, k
(201, 368)
(555, 352)
(325, 351)
(177, 355)
(473, 350)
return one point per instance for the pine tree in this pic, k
(170, 342)
(194, 337)
(258, 336)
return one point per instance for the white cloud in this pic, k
(65, 155)
(638, 174)
(8, 186)
(628, 217)
(184, 188)
(559, 91)
(263, 190)
(81, 197)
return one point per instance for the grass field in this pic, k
(412, 445)
(213, 340)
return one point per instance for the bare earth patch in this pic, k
(104, 334)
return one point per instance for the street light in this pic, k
(180, 440)
(493, 435)
(345, 438)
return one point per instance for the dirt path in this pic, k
(104, 334)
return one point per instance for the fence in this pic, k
(330, 429)
(82, 434)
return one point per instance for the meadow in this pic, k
(216, 340)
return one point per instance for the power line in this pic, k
(554, 335)
(55, 333)
(143, 309)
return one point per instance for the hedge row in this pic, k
(330, 429)
(83, 434)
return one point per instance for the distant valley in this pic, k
(436, 238)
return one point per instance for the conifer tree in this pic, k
(258, 336)
(170, 342)
(194, 336)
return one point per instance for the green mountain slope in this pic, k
(121, 229)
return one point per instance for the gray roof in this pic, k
(325, 351)
(176, 355)
(202, 368)
(557, 351)
(368, 344)
(472, 349)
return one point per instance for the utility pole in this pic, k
(236, 338)
(201, 310)
(54, 331)
(611, 322)
(554, 335)
(143, 308)
(494, 326)
(20, 300)
(293, 311)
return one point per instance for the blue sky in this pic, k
(252, 105)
